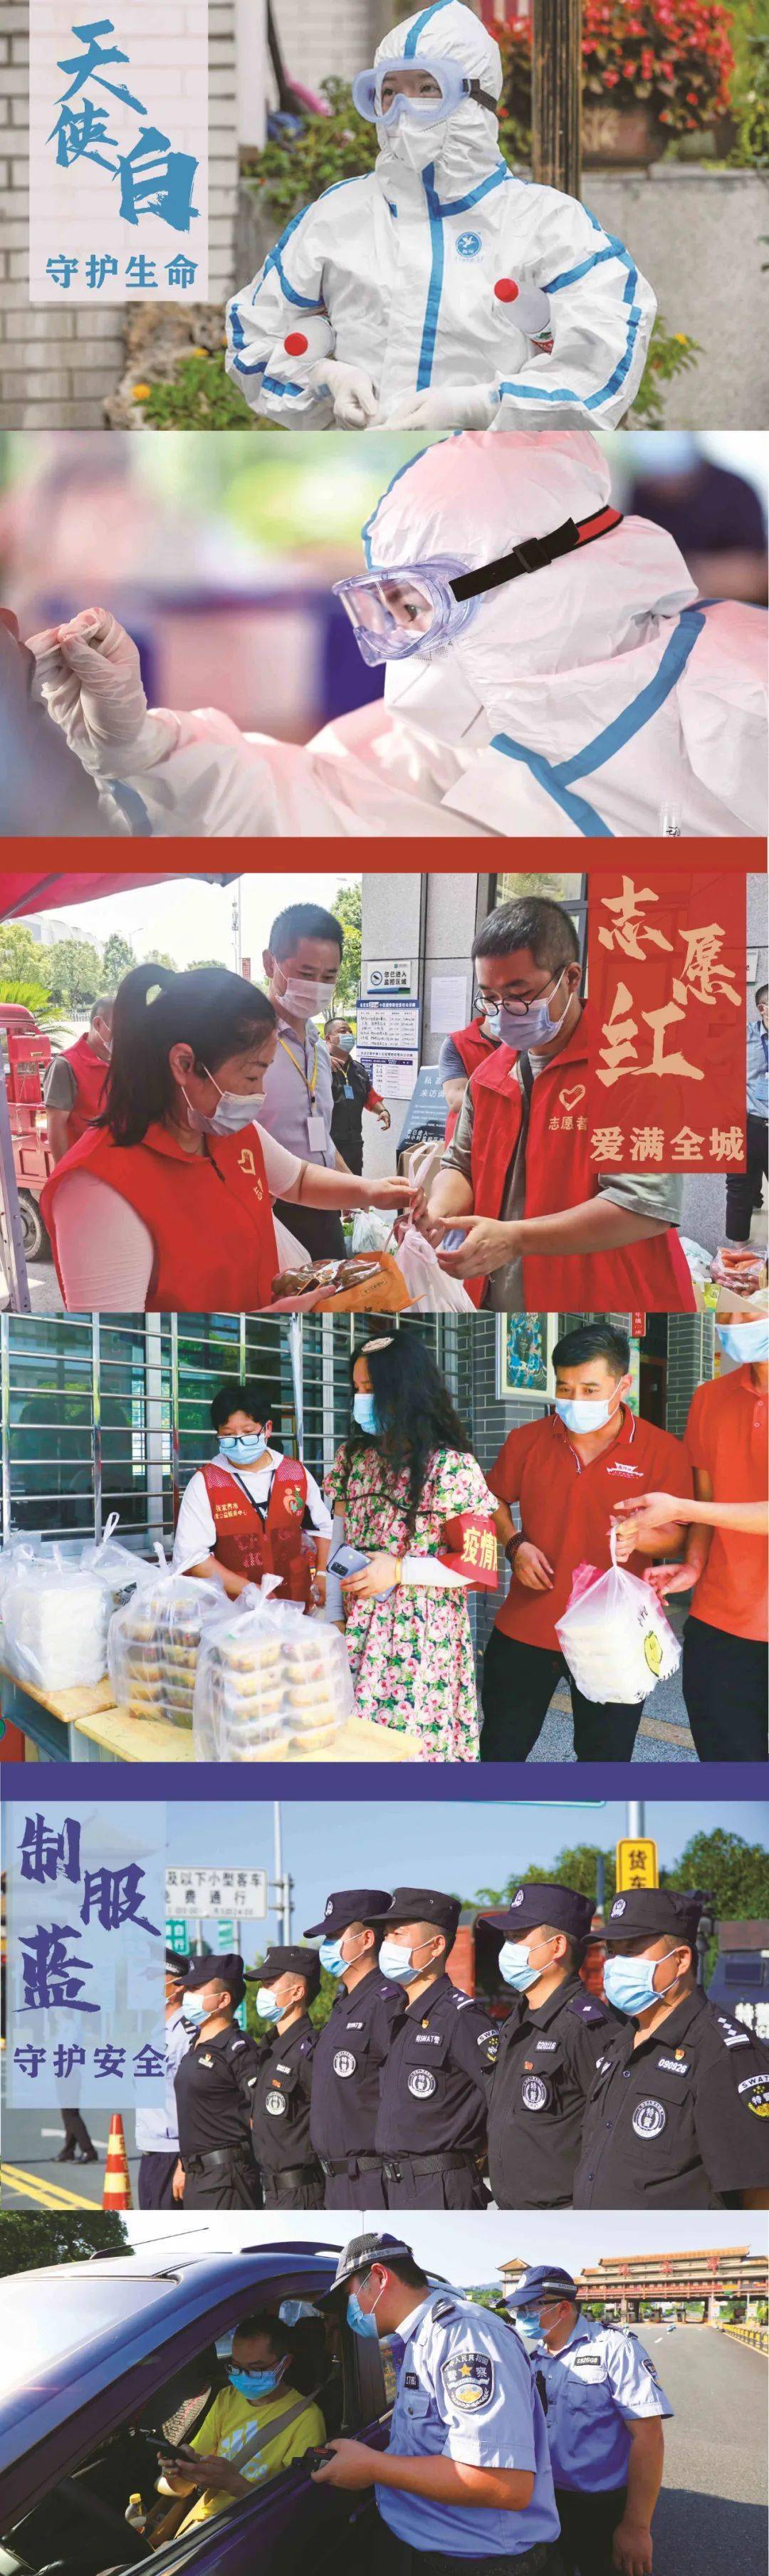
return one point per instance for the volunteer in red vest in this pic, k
(166, 1203)
(460, 1055)
(75, 1082)
(548, 1232)
(252, 1511)
(566, 1471)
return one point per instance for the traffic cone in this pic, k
(117, 2180)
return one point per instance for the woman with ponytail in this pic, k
(165, 1203)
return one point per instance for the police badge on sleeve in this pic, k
(468, 2378)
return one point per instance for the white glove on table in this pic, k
(444, 407)
(351, 390)
(92, 686)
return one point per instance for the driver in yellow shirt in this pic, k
(260, 2393)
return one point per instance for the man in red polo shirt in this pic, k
(566, 1471)
(542, 1229)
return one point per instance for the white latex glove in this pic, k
(444, 407)
(91, 682)
(351, 390)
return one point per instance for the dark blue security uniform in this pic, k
(431, 2128)
(280, 2117)
(547, 2060)
(213, 2085)
(678, 2118)
(350, 2053)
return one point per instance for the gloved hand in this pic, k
(351, 390)
(91, 682)
(444, 407)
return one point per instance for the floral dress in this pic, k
(412, 1652)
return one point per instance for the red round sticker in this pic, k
(506, 289)
(296, 343)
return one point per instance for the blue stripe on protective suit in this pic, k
(432, 308)
(238, 337)
(566, 393)
(571, 276)
(272, 385)
(414, 33)
(557, 778)
(460, 205)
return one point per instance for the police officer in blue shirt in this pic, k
(604, 2408)
(161, 2178)
(351, 2051)
(431, 2129)
(466, 2483)
(548, 2047)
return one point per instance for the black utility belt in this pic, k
(288, 2173)
(217, 2156)
(391, 2165)
(361, 2164)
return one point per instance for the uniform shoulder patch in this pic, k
(468, 2378)
(443, 2308)
(589, 2008)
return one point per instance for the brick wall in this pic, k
(56, 368)
(339, 37)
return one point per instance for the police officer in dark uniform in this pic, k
(214, 2090)
(431, 2128)
(351, 2051)
(280, 2123)
(548, 2048)
(678, 2117)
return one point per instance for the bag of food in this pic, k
(363, 1280)
(270, 1683)
(116, 1565)
(614, 1634)
(55, 1619)
(432, 1291)
(154, 1639)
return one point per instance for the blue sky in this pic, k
(456, 1845)
(469, 2246)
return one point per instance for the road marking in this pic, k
(50, 2195)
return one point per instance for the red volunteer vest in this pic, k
(209, 1215)
(474, 1049)
(247, 1544)
(91, 1077)
(652, 1275)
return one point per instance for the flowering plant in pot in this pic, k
(651, 72)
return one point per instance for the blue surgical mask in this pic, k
(194, 2009)
(529, 2328)
(233, 1110)
(532, 1026)
(331, 1959)
(629, 1983)
(396, 1960)
(514, 1966)
(364, 1412)
(584, 1412)
(345, 1045)
(243, 1447)
(361, 2321)
(745, 1342)
(254, 2383)
(266, 2005)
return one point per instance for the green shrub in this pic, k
(329, 148)
(670, 354)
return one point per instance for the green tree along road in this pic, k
(29, 2239)
(728, 1869)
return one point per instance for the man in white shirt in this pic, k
(302, 965)
(252, 1511)
(161, 2177)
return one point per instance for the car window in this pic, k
(39, 2328)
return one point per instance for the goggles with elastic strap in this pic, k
(451, 83)
(419, 607)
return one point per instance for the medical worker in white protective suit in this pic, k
(437, 291)
(548, 668)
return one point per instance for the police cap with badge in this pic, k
(543, 2281)
(350, 1905)
(288, 1961)
(421, 1905)
(177, 1966)
(356, 2259)
(543, 1901)
(219, 1968)
(646, 1913)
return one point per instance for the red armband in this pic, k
(470, 1548)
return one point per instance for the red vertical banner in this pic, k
(666, 979)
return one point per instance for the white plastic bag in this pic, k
(55, 1618)
(615, 1636)
(15, 1554)
(116, 1566)
(154, 1640)
(371, 1231)
(270, 1682)
(431, 1290)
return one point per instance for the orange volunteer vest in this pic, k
(652, 1275)
(209, 1215)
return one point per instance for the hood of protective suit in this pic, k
(476, 496)
(463, 148)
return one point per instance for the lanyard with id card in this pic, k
(317, 1138)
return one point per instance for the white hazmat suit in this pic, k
(410, 283)
(593, 696)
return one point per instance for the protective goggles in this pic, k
(419, 607)
(451, 88)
